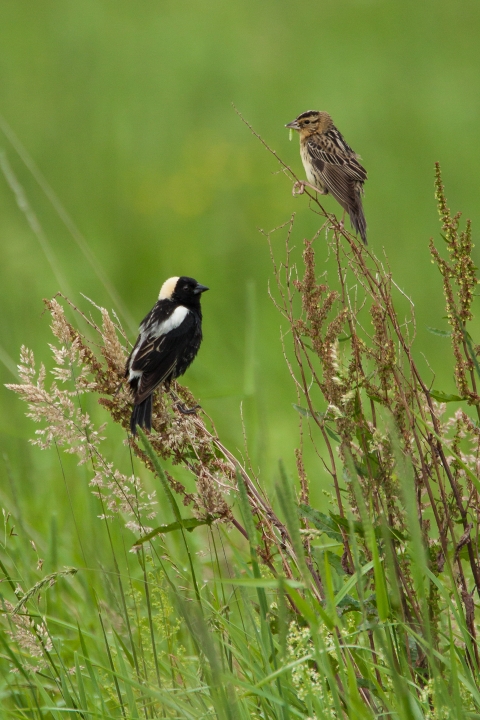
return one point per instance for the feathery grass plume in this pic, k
(46, 582)
(32, 637)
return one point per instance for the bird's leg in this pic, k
(298, 188)
(187, 411)
(181, 406)
(300, 185)
(120, 385)
(342, 221)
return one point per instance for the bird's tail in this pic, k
(357, 218)
(142, 415)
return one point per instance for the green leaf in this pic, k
(333, 560)
(381, 592)
(441, 333)
(359, 529)
(352, 581)
(302, 411)
(348, 604)
(365, 683)
(321, 522)
(332, 434)
(125, 649)
(132, 705)
(320, 416)
(375, 398)
(261, 582)
(172, 502)
(306, 413)
(80, 683)
(288, 505)
(186, 523)
(161, 475)
(444, 397)
(343, 522)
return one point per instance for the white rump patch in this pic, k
(175, 319)
(168, 288)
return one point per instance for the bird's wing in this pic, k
(337, 167)
(340, 185)
(330, 148)
(157, 356)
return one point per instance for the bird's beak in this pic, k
(293, 125)
(200, 289)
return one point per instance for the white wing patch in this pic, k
(175, 319)
(155, 331)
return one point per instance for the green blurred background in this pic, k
(126, 108)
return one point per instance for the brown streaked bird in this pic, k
(331, 165)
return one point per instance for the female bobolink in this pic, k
(168, 342)
(331, 165)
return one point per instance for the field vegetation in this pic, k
(307, 544)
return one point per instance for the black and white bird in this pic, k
(169, 339)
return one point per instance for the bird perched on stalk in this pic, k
(331, 165)
(169, 339)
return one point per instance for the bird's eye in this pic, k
(307, 122)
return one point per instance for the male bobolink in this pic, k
(331, 165)
(169, 339)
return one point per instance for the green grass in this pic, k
(138, 642)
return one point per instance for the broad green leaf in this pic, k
(343, 522)
(444, 397)
(440, 333)
(359, 529)
(320, 416)
(320, 521)
(375, 398)
(306, 413)
(348, 604)
(332, 434)
(334, 561)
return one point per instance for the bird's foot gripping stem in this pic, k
(298, 188)
(300, 185)
(180, 406)
(186, 411)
